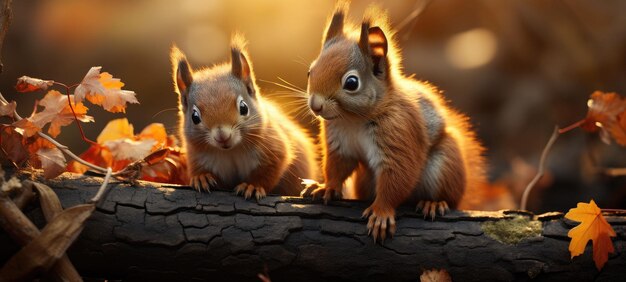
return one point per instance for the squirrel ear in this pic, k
(373, 43)
(335, 27)
(239, 64)
(183, 74)
(242, 70)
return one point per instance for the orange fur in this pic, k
(397, 135)
(258, 151)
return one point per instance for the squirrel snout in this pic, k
(222, 136)
(316, 103)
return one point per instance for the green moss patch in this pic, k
(512, 231)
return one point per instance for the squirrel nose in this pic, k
(316, 103)
(317, 108)
(222, 137)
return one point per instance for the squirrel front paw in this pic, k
(381, 221)
(319, 190)
(204, 181)
(246, 190)
(431, 208)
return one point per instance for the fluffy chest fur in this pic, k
(354, 140)
(231, 167)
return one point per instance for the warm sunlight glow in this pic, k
(472, 48)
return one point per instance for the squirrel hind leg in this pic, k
(430, 208)
(443, 180)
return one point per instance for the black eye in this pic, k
(243, 108)
(195, 117)
(351, 83)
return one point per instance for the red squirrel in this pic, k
(395, 135)
(233, 136)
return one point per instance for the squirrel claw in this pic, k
(246, 190)
(203, 182)
(430, 208)
(379, 223)
(317, 190)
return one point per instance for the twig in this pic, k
(103, 187)
(572, 126)
(541, 171)
(615, 171)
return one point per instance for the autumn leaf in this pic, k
(593, 227)
(116, 129)
(102, 89)
(29, 84)
(154, 131)
(127, 149)
(12, 147)
(7, 109)
(435, 275)
(606, 114)
(52, 162)
(26, 127)
(58, 113)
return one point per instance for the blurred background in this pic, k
(517, 68)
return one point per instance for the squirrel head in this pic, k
(352, 72)
(218, 104)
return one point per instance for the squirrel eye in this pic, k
(351, 83)
(243, 108)
(195, 117)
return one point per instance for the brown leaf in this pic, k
(13, 149)
(45, 250)
(23, 231)
(157, 156)
(29, 84)
(8, 109)
(50, 204)
(52, 162)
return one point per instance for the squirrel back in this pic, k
(233, 135)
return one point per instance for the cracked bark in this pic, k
(156, 232)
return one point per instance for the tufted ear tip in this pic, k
(183, 74)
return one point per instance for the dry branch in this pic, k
(155, 232)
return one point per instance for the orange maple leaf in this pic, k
(29, 84)
(102, 89)
(58, 113)
(606, 113)
(594, 227)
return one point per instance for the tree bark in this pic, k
(166, 233)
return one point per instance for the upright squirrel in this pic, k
(396, 134)
(233, 136)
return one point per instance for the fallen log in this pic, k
(161, 232)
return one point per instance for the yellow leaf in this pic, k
(594, 227)
(116, 129)
(102, 89)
